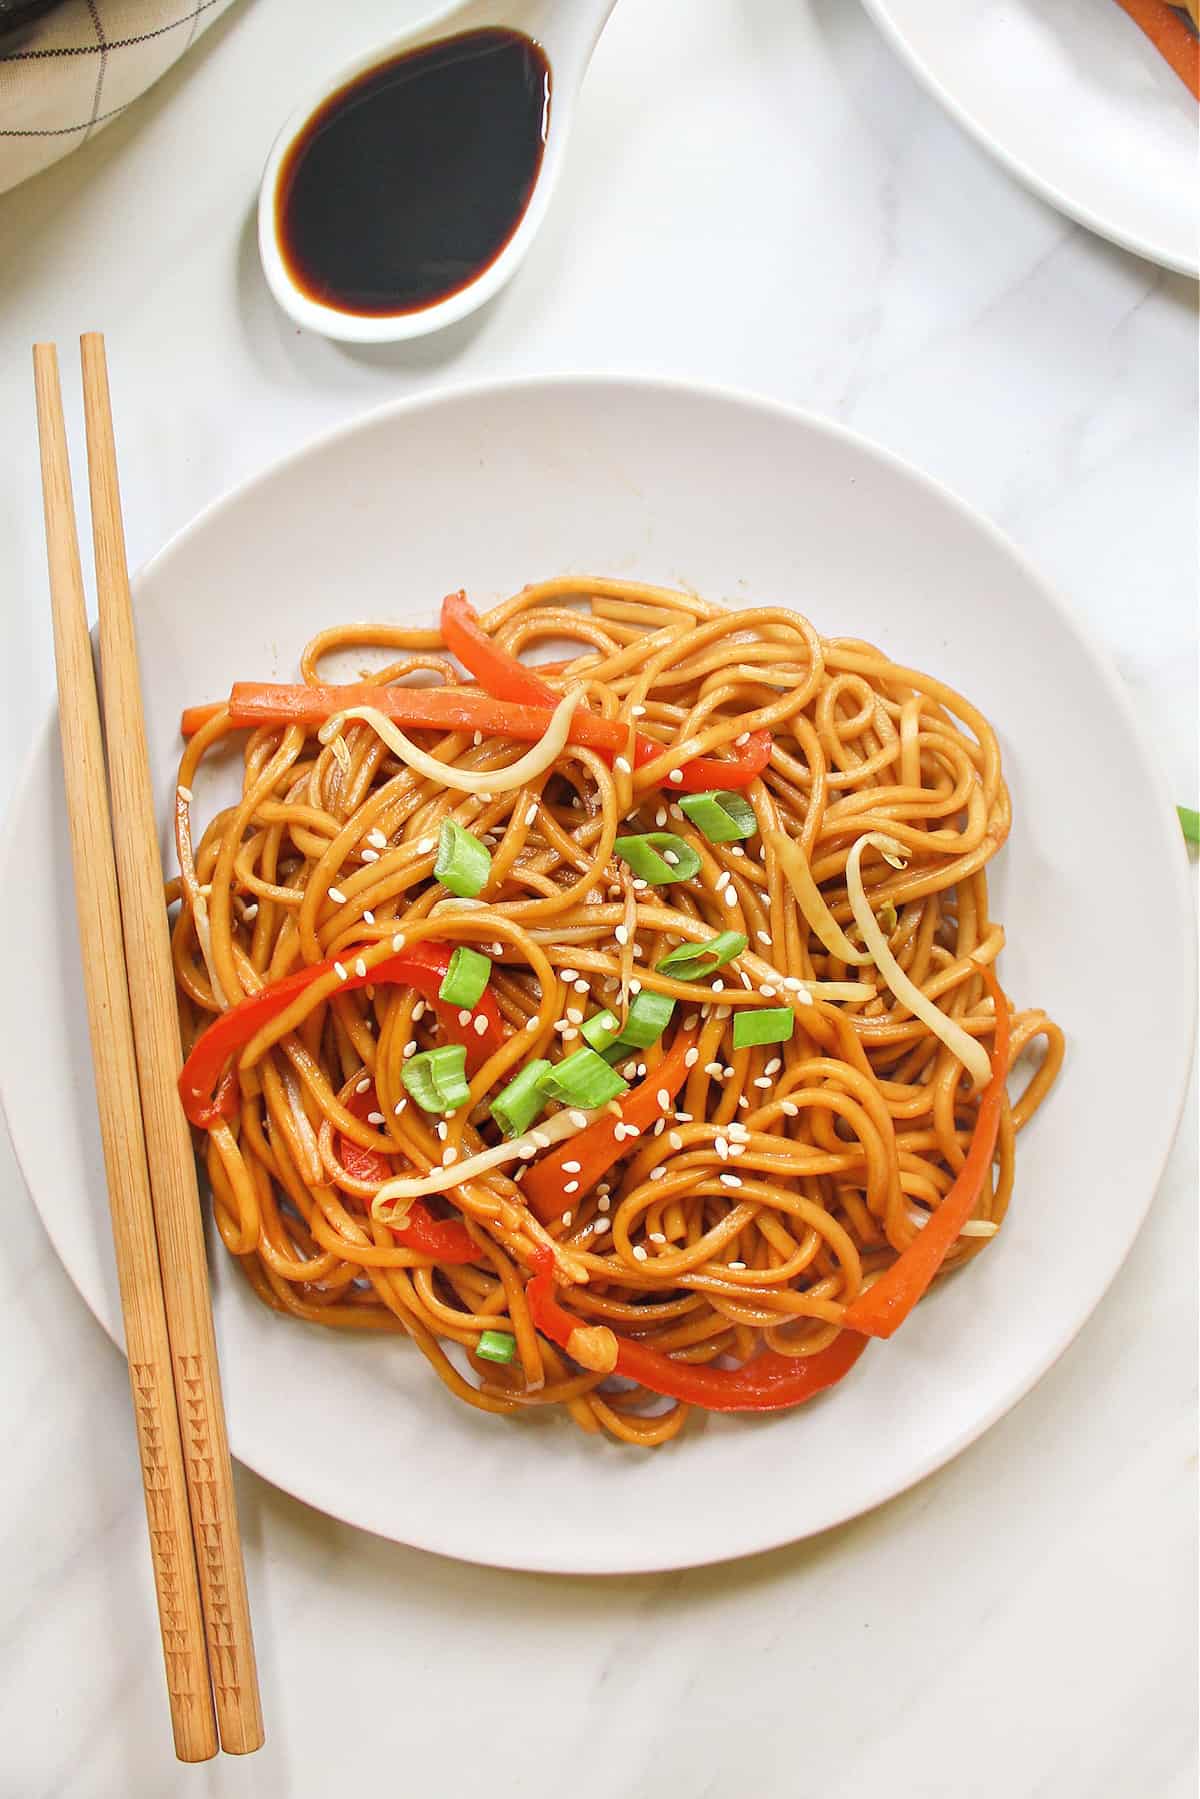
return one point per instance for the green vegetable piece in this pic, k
(583, 1079)
(766, 1024)
(466, 977)
(659, 857)
(723, 817)
(600, 1031)
(522, 1101)
(496, 1346)
(463, 863)
(1189, 822)
(436, 1078)
(648, 1017)
(692, 961)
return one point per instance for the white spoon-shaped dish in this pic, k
(566, 31)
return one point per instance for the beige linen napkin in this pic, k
(69, 74)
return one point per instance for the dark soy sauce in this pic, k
(409, 181)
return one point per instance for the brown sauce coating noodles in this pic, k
(784, 1177)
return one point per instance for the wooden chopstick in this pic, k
(118, 1100)
(168, 1144)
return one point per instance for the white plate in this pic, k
(1075, 100)
(491, 487)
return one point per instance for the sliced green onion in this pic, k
(1189, 822)
(723, 817)
(648, 1017)
(601, 1030)
(658, 857)
(496, 1346)
(466, 977)
(463, 863)
(766, 1024)
(523, 1100)
(437, 1078)
(691, 961)
(583, 1079)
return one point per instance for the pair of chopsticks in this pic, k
(200, 1580)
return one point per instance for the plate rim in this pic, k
(881, 16)
(329, 1502)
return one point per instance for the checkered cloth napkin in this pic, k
(68, 74)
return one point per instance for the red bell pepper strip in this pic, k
(508, 679)
(768, 1383)
(256, 703)
(445, 1239)
(883, 1308)
(208, 1096)
(596, 1149)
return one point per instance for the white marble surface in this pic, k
(757, 195)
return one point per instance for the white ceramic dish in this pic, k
(490, 487)
(1074, 99)
(567, 31)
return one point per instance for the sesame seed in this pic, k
(443, 1130)
(185, 794)
(737, 1149)
(762, 1081)
(570, 1034)
(659, 1127)
(722, 1148)
(664, 1099)
(363, 1084)
(578, 1119)
(804, 997)
(622, 934)
(691, 1021)
(568, 1217)
(721, 880)
(582, 987)
(369, 855)
(398, 940)
(744, 738)
(368, 918)
(449, 1155)
(251, 911)
(568, 975)
(635, 986)
(674, 810)
(732, 1180)
(660, 817)
(574, 1015)
(360, 967)
(337, 896)
(637, 712)
(718, 986)
(735, 849)
(631, 1130)
(792, 1111)
(480, 1027)
(743, 1101)
(531, 812)
(571, 1187)
(377, 837)
(541, 1139)
(774, 1065)
(340, 972)
(670, 858)
(531, 1024)
(399, 1107)
(737, 1129)
(425, 844)
(603, 1201)
(638, 885)
(410, 1049)
(730, 896)
(464, 1016)
(375, 1118)
(764, 937)
(767, 992)
(641, 1069)
(656, 1174)
(600, 1225)
(791, 983)
(526, 1150)
(622, 765)
(639, 1252)
(712, 1068)
(690, 1061)
(418, 1011)
(571, 1167)
(477, 739)
(676, 775)
(737, 1265)
(485, 799)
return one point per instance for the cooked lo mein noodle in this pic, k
(623, 1029)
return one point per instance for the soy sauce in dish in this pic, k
(409, 181)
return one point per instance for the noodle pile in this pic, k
(780, 1180)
